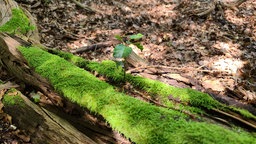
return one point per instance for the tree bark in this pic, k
(42, 125)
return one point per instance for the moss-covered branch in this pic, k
(157, 89)
(137, 120)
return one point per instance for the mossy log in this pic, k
(167, 95)
(42, 125)
(12, 60)
(137, 120)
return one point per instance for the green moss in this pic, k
(12, 90)
(243, 112)
(140, 121)
(12, 99)
(19, 23)
(157, 89)
(70, 57)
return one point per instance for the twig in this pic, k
(234, 117)
(234, 4)
(94, 46)
(207, 11)
(86, 7)
(174, 68)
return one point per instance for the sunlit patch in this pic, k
(230, 65)
(228, 48)
(231, 16)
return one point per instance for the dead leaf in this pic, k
(178, 77)
(247, 95)
(215, 85)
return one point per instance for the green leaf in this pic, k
(36, 98)
(118, 37)
(136, 36)
(139, 45)
(122, 51)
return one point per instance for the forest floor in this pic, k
(216, 52)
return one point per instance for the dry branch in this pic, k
(94, 46)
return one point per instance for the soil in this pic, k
(215, 52)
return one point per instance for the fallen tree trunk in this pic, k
(12, 60)
(82, 88)
(137, 120)
(115, 107)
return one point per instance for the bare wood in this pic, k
(135, 60)
(6, 10)
(42, 125)
(204, 8)
(8, 85)
(209, 10)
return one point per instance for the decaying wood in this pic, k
(135, 60)
(15, 64)
(250, 124)
(234, 3)
(42, 125)
(89, 124)
(6, 10)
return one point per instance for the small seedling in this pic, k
(36, 97)
(123, 50)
